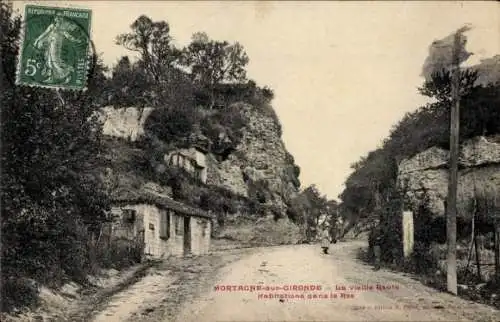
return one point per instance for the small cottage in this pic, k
(193, 160)
(164, 226)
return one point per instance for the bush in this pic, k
(171, 124)
(258, 190)
(224, 129)
(119, 253)
(49, 185)
(43, 245)
(417, 131)
(18, 292)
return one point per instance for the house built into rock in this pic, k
(163, 226)
(192, 160)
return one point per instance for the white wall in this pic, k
(154, 245)
(200, 235)
(123, 122)
(199, 157)
(157, 247)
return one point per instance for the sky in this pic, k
(343, 72)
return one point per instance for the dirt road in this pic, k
(191, 294)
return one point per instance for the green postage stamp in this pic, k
(55, 48)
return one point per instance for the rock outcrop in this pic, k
(125, 123)
(488, 70)
(424, 178)
(260, 157)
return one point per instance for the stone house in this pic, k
(163, 226)
(193, 160)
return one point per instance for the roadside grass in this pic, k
(483, 290)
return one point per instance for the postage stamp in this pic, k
(55, 48)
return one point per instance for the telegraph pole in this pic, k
(451, 215)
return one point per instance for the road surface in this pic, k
(190, 294)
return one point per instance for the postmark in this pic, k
(55, 48)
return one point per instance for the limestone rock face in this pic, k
(479, 151)
(125, 123)
(433, 158)
(426, 176)
(261, 156)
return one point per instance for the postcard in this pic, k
(244, 161)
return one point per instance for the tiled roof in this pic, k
(161, 201)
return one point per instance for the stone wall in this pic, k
(426, 176)
(125, 123)
(148, 220)
(193, 154)
(200, 235)
(261, 155)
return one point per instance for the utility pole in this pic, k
(451, 215)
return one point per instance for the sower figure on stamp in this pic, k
(51, 41)
(56, 51)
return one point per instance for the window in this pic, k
(129, 215)
(165, 225)
(175, 159)
(179, 229)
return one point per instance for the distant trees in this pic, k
(308, 207)
(204, 62)
(183, 83)
(157, 74)
(152, 40)
(129, 84)
(214, 62)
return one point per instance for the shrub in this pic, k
(119, 253)
(17, 291)
(171, 124)
(49, 184)
(258, 190)
(224, 129)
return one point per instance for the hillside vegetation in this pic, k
(372, 193)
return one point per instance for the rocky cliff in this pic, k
(425, 176)
(260, 161)
(127, 123)
(261, 157)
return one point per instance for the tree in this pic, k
(372, 185)
(152, 40)
(171, 125)
(311, 205)
(130, 84)
(157, 76)
(214, 62)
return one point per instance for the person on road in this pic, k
(325, 241)
(377, 244)
(333, 234)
